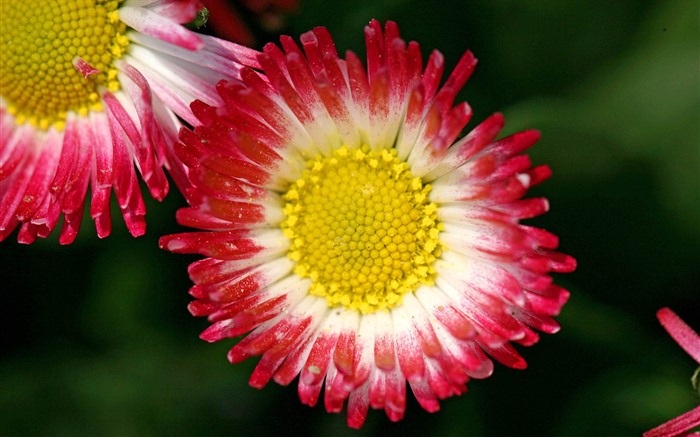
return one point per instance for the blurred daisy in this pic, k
(357, 239)
(90, 94)
(226, 20)
(689, 340)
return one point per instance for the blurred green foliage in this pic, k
(97, 340)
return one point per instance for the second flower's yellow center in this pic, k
(40, 42)
(362, 229)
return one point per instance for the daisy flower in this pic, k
(689, 340)
(354, 237)
(228, 23)
(90, 95)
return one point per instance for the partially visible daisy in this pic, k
(227, 22)
(90, 95)
(689, 340)
(357, 240)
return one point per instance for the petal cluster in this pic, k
(493, 285)
(45, 173)
(689, 340)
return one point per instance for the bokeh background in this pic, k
(96, 339)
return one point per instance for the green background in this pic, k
(96, 339)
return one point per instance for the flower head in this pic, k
(90, 94)
(354, 237)
(228, 23)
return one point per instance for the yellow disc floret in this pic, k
(362, 229)
(39, 43)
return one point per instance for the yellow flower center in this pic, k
(362, 229)
(39, 43)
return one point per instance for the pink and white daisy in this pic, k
(356, 239)
(90, 95)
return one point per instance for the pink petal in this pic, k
(161, 27)
(678, 426)
(84, 67)
(684, 335)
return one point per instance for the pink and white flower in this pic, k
(92, 94)
(354, 237)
